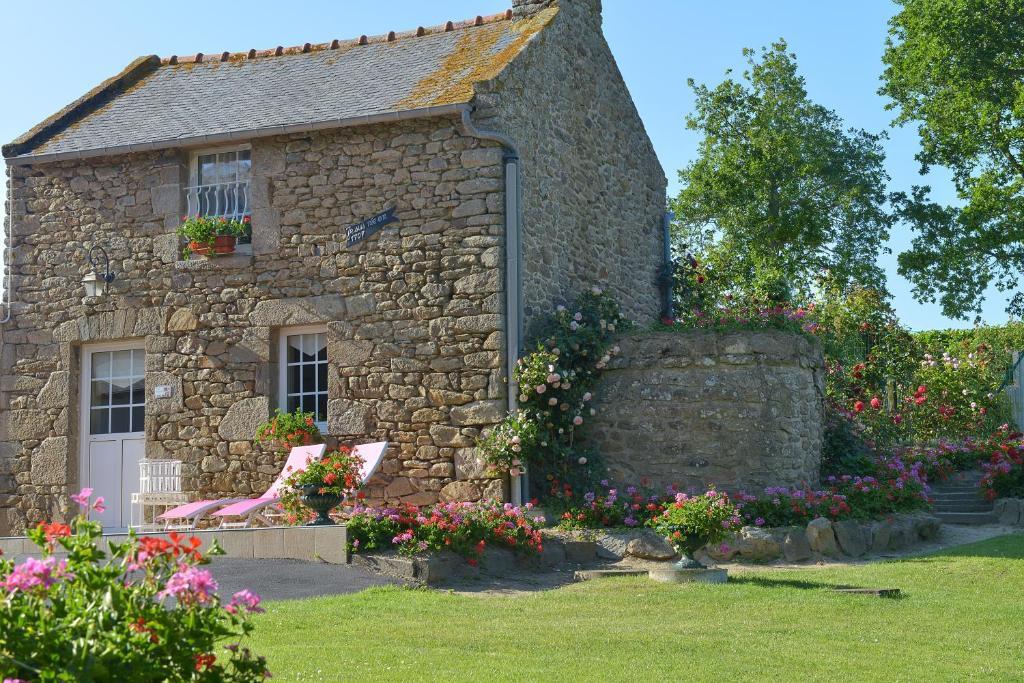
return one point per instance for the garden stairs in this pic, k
(958, 500)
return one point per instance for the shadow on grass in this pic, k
(767, 582)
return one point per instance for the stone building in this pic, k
(506, 149)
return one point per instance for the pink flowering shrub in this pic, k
(146, 612)
(466, 529)
(742, 316)
(556, 379)
(609, 506)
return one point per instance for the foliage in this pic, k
(733, 317)
(336, 474)
(844, 448)
(555, 380)
(463, 528)
(287, 430)
(781, 198)
(202, 231)
(691, 522)
(953, 68)
(146, 613)
(1004, 472)
(939, 462)
(1001, 340)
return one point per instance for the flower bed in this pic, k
(1004, 471)
(148, 612)
(466, 529)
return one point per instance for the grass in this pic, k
(961, 617)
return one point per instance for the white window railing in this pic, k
(220, 200)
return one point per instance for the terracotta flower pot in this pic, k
(222, 244)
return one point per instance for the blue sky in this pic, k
(57, 50)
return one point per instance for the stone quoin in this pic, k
(519, 173)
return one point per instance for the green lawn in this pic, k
(961, 617)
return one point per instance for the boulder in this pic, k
(821, 537)
(850, 537)
(1009, 511)
(650, 546)
(926, 526)
(753, 543)
(460, 491)
(795, 546)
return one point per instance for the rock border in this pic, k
(1010, 511)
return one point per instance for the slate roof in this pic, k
(158, 103)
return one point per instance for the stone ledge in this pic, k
(312, 544)
(225, 262)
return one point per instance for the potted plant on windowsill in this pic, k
(284, 431)
(210, 236)
(321, 486)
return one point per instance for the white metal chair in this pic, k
(159, 489)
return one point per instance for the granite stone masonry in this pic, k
(414, 317)
(740, 410)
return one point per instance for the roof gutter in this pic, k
(513, 269)
(243, 135)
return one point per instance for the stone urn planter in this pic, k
(222, 244)
(319, 503)
(687, 569)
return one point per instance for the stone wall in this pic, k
(414, 314)
(593, 189)
(738, 410)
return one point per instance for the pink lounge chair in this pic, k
(252, 509)
(186, 517)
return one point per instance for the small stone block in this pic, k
(329, 544)
(590, 574)
(236, 543)
(672, 575)
(580, 551)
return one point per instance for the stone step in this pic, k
(979, 506)
(967, 490)
(974, 518)
(956, 495)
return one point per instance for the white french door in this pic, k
(113, 437)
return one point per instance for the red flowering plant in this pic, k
(466, 529)
(610, 506)
(335, 474)
(147, 611)
(1003, 473)
(284, 431)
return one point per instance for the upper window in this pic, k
(303, 381)
(220, 185)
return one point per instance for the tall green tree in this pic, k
(956, 68)
(781, 199)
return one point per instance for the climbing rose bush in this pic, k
(466, 529)
(146, 612)
(556, 379)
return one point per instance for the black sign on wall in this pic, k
(360, 231)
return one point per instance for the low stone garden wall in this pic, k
(741, 410)
(1010, 511)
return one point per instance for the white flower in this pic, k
(573, 326)
(515, 439)
(615, 349)
(973, 405)
(566, 385)
(523, 398)
(596, 291)
(587, 396)
(593, 411)
(612, 327)
(552, 401)
(516, 448)
(964, 392)
(556, 351)
(564, 407)
(577, 316)
(560, 308)
(540, 388)
(578, 420)
(582, 461)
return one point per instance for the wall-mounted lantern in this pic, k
(97, 280)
